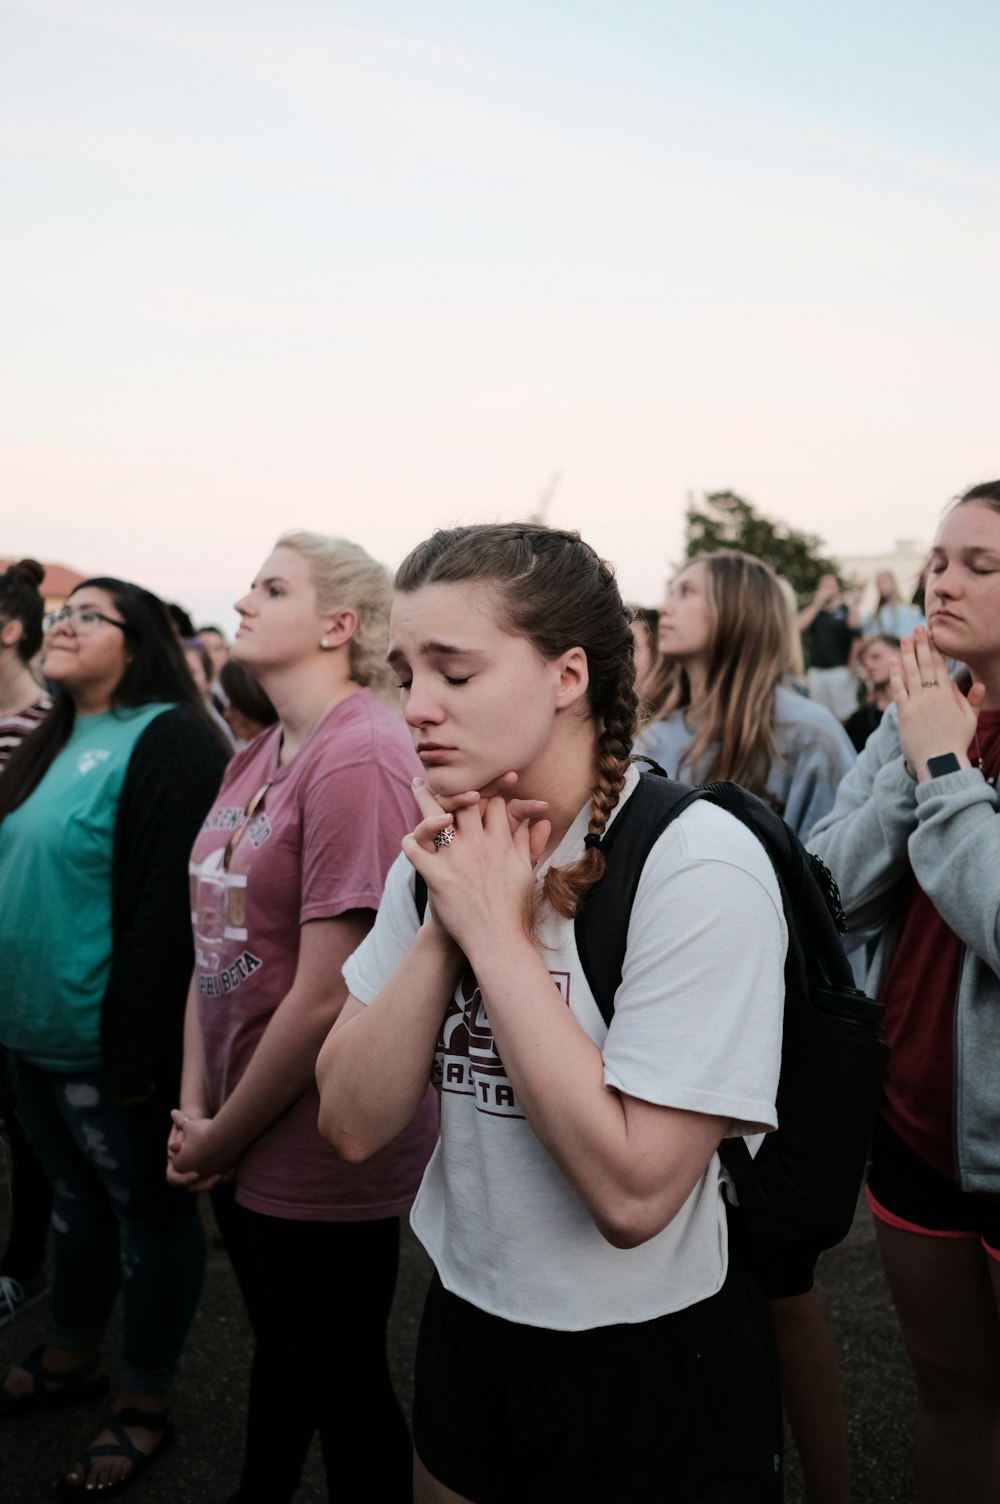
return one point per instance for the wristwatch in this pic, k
(947, 763)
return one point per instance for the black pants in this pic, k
(30, 1199)
(318, 1295)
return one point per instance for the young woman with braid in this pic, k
(584, 1336)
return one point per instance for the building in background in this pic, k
(906, 561)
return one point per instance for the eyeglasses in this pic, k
(254, 804)
(82, 619)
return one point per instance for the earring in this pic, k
(324, 643)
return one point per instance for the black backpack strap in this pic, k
(602, 918)
(420, 896)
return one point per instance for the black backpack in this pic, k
(798, 1196)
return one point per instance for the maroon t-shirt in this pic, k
(319, 844)
(920, 992)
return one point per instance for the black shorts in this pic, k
(905, 1191)
(684, 1408)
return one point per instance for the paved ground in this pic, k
(203, 1466)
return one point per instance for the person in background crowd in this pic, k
(720, 707)
(23, 706)
(197, 658)
(573, 1207)
(832, 626)
(795, 671)
(877, 657)
(723, 711)
(286, 875)
(645, 625)
(24, 702)
(214, 639)
(98, 807)
(183, 625)
(892, 616)
(247, 707)
(913, 844)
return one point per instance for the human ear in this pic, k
(11, 633)
(573, 677)
(339, 627)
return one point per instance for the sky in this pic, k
(375, 268)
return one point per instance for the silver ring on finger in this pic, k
(444, 837)
(928, 684)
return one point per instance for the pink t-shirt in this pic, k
(319, 844)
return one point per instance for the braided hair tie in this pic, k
(592, 842)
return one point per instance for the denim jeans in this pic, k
(105, 1237)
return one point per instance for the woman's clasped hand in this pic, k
(935, 717)
(195, 1159)
(486, 874)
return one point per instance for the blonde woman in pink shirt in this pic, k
(286, 876)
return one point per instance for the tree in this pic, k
(725, 520)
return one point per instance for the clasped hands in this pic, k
(193, 1154)
(935, 717)
(485, 876)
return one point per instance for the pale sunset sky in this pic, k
(373, 268)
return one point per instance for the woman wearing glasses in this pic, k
(97, 811)
(286, 876)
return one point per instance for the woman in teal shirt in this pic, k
(98, 810)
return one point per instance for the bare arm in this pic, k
(285, 1058)
(808, 615)
(194, 1092)
(632, 1163)
(826, 591)
(375, 1066)
(193, 1097)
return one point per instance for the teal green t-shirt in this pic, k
(55, 895)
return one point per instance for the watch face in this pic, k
(947, 763)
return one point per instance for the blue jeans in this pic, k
(107, 1236)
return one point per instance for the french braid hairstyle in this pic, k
(552, 588)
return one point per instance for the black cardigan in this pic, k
(171, 780)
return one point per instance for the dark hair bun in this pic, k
(31, 570)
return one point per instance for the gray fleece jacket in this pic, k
(882, 825)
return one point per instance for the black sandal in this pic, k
(49, 1390)
(122, 1446)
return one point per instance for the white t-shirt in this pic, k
(697, 1025)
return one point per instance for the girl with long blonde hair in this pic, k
(723, 711)
(720, 707)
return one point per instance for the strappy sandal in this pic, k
(49, 1390)
(122, 1446)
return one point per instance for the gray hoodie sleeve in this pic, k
(863, 840)
(884, 823)
(955, 854)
